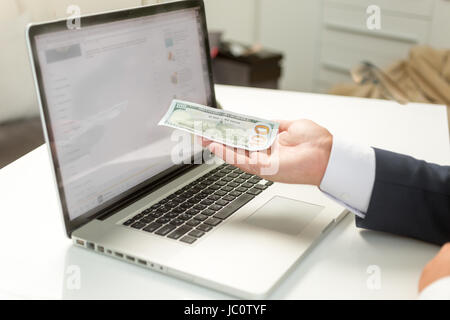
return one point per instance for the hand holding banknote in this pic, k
(297, 150)
(233, 129)
(300, 153)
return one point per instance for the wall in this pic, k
(292, 27)
(237, 18)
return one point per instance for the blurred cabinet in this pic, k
(441, 25)
(261, 69)
(345, 39)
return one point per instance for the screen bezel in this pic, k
(113, 205)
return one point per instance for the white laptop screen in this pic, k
(106, 87)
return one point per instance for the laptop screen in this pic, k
(105, 87)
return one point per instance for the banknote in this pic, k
(233, 129)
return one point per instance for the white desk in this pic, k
(36, 255)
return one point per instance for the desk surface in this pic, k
(38, 261)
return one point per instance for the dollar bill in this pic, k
(233, 129)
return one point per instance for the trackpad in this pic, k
(284, 215)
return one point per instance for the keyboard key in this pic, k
(233, 184)
(239, 180)
(163, 209)
(220, 193)
(152, 227)
(165, 230)
(207, 202)
(213, 197)
(138, 216)
(163, 220)
(184, 217)
(179, 232)
(254, 179)
(221, 183)
(192, 212)
(185, 205)
(204, 227)
(213, 221)
(147, 220)
(178, 210)
(234, 206)
(193, 201)
(200, 207)
(200, 217)
(188, 194)
(254, 191)
(176, 222)
(233, 175)
(247, 185)
(193, 223)
(155, 214)
(196, 233)
(227, 179)
(215, 207)
(229, 198)
(241, 189)
(171, 215)
(208, 212)
(235, 193)
(227, 189)
(138, 225)
(222, 202)
(188, 239)
(171, 204)
(128, 222)
(260, 186)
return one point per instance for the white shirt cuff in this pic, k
(350, 175)
(438, 290)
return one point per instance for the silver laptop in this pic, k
(102, 89)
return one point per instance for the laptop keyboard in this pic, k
(191, 212)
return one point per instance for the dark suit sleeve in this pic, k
(409, 198)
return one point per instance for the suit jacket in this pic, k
(409, 198)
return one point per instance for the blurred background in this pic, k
(301, 45)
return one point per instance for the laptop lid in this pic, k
(102, 90)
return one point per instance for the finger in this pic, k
(284, 125)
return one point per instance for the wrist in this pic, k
(325, 146)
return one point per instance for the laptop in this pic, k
(102, 89)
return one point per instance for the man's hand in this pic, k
(300, 154)
(437, 268)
